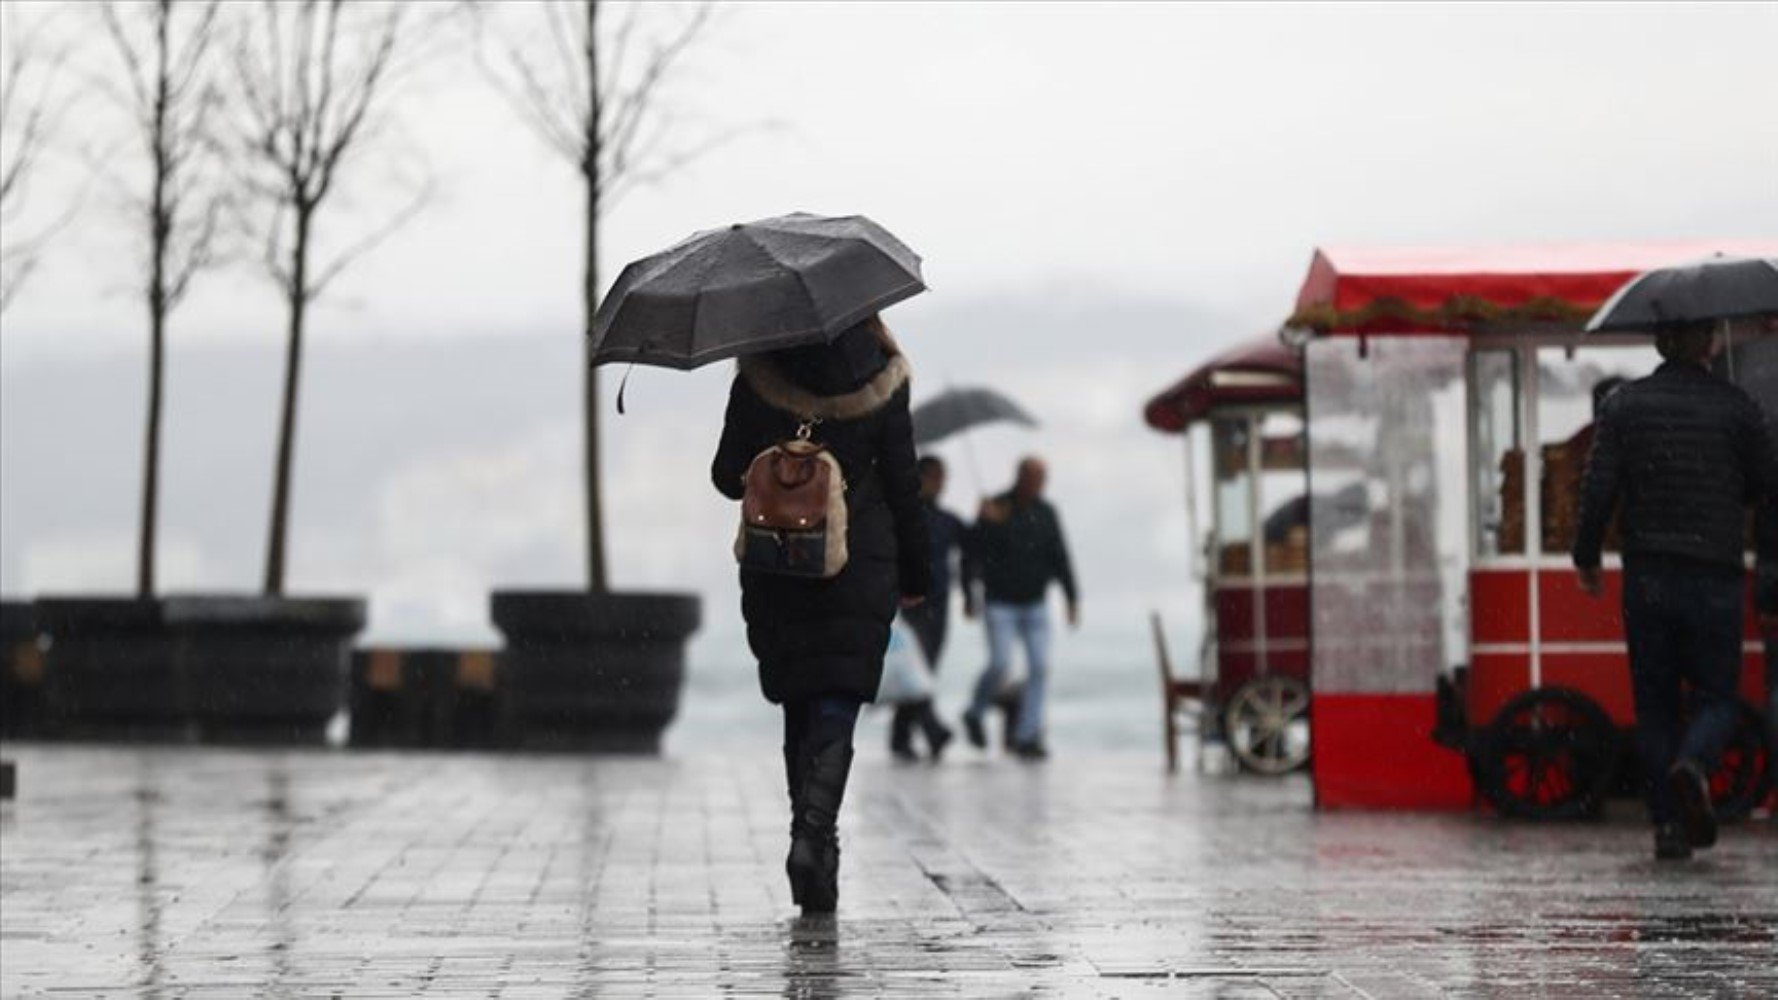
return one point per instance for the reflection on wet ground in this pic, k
(215, 873)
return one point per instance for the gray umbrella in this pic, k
(957, 410)
(1713, 289)
(759, 286)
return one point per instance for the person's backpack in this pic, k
(793, 511)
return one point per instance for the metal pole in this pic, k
(1533, 448)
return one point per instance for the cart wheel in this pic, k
(1267, 723)
(1549, 754)
(1740, 777)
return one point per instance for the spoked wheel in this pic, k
(1740, 777)
(1267, 724)
(1549, 754)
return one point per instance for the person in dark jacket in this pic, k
(930, 621)
(1018, 540)
(820, 642)
(1685, 452)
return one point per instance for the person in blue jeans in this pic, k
(1685, 453)
(1020, 551)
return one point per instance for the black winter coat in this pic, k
(824, 637)
(1022, 554)
(1687, 453)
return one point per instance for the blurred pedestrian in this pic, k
(820, 641)
(1684, 452)
(951, 557)
(1018, 540)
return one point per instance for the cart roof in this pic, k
(1363, 290)
(1261, 370)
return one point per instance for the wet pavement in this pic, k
(208, 873)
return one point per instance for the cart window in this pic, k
(1498, 477)
(1571, 387)
(1283, 493)
(1231, 454)
(1388, 526)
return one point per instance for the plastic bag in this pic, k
(906, 677)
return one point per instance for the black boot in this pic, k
(937, 733)
(1671, 843)
(901, 733)
(814, 863)
(793, 779)
(1692, 790)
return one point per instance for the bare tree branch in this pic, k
(595, 101)
(314, 77)
(170, 99)
(630, 109)
(31, 107)
(345, 258)
(175, 108)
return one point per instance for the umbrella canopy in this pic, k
(1715, 288)
(958, 410)
(1420, 291)
(752, 287)
(1260, 371)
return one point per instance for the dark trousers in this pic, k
(1684, 635)
(819, 722)
(929, 622)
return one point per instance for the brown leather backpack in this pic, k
(793, 511)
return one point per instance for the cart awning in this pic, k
(1361, 290)
(1261, 370)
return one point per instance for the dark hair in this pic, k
(841, 364)
(1685, 341)
(928, 464)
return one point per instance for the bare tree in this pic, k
(169, 90)
(30, 106)
(312, 77)
(594, 99)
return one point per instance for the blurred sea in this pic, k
(1098, 702)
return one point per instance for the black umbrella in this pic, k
(759, 286)
(960, 409)
(955, 411)
(1716, 288)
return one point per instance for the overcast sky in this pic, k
(1103, 194)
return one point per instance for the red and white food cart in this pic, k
(1449, 397)
(1254, 663)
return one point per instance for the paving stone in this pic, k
(184, 873)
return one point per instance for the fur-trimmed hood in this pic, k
(771, 384)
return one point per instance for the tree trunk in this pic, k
(595, 506)
(151, 462)
(297, 294)
(159, 236)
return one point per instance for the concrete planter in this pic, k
(594, 672)
(217, 668)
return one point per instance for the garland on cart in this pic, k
(1459, 312)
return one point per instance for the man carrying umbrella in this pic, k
(1684, 452)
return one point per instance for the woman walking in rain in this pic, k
(820, 639)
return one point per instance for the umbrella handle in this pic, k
(975, 470)
(621, 386)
